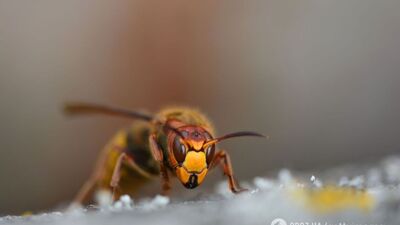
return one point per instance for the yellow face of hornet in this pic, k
(190, 155)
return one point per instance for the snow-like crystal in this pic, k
(263, 184)
(315, 181)
(285, 177)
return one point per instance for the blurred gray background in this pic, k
(321, 77)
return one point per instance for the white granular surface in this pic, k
(267, 202)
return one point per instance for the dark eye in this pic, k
(179, 150)
(210, 151)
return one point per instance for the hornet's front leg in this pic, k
(116, 176)
(158, 156)
(85, 193)
(221, 157)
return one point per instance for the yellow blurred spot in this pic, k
(120, 139)
(27, 213)
(333, 198)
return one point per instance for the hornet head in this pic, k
(191, 152)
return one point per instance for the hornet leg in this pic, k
(89, 186)
(158, 156)
(85, 192)
(222, 158)
(116, 176)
